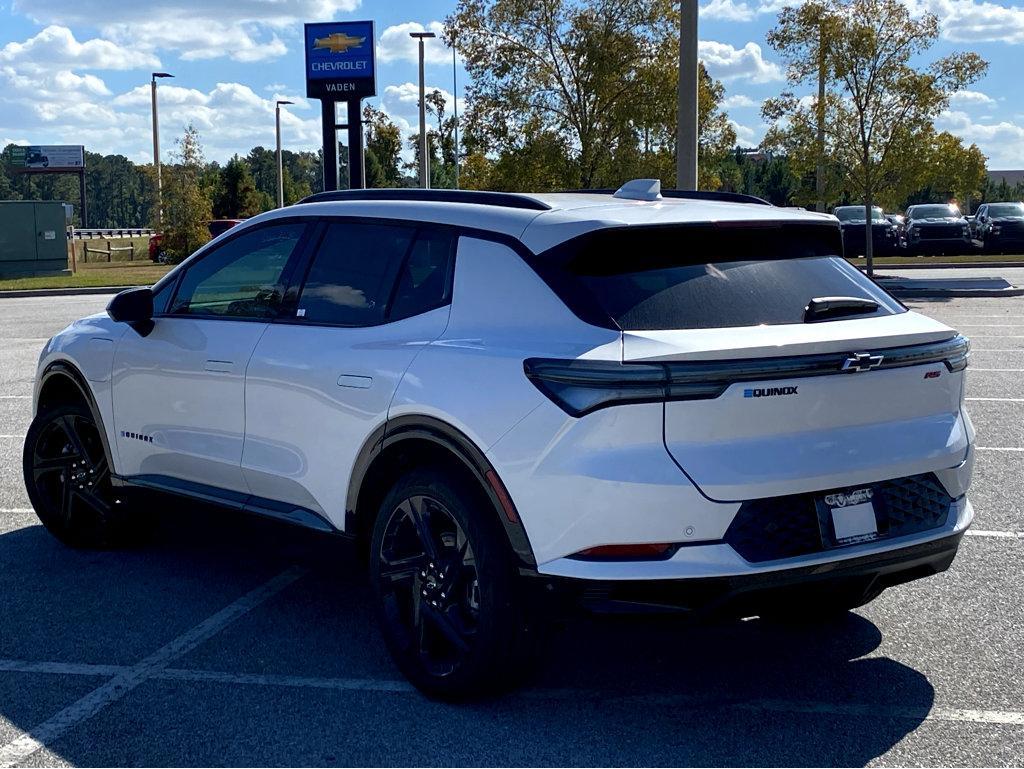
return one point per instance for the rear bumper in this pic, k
(752, 594)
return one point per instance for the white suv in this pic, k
(688, 402)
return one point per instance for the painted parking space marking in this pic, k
(681, 701)
(128, 679)
(996, 534)
(997, 400)
(998, 448)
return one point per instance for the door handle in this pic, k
(358, 382)
(223, 366)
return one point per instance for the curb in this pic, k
(944, 293)
(944, 266)
(84, 290)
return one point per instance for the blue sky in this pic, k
(77, 71)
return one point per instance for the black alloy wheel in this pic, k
(447, 598)
(67, 475)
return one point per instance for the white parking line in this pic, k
(129, 678)
(680, 701)
(13, 397)
(997, 400)
(997, 534)
(975, 368)
(998, 448)
(16, 510)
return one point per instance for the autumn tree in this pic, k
(595, 80)
(187, 208)
(878, 101)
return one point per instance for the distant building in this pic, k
(1011, 177)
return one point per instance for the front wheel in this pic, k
(67, 476)
(448, 599)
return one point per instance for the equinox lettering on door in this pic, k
(765, 392)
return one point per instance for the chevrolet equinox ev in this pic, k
(680, 401)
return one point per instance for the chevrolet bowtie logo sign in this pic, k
(338, 42)
(862, 361)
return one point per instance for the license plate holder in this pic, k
(848, 518)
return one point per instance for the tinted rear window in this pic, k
(698, 278)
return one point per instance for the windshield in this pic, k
(853, 213)
(1006, 209)
(937, 211)
(699, 277)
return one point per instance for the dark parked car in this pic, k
(883, 232)
(937, 228)
(999, 227)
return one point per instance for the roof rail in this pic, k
(724, 197)
(480, 197)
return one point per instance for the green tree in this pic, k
(596, 79)
(238, 197)
(879, 100)
(187, 208)
(383, 146)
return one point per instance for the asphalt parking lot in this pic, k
(228, 641)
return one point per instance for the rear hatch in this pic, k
(787, 370)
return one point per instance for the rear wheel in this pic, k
(67, 476)
(448, 599)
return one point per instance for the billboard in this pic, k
(48, 157)
(340, 60)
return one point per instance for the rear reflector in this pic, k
(647, 552)
(503, 498)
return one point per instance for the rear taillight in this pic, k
(581, 386)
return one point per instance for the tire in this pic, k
(448, 599)
(67, 476)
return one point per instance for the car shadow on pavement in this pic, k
(610, 691)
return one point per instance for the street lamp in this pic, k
(686, 131)
(455, 106)
(156, 152)
(280, 168)
(424, 157)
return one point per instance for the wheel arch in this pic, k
(412, 440)
(62, 383)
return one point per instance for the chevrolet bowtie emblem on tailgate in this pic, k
(862, 361)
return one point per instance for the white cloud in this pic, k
(744, 134)
(396, 45)
(971, 99)
(727, 10)
(739, 100)
(401, 103)
(244, 30)
(1002, 142)
(56, 46)
(975, 21)
(727, 63)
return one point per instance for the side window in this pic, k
(244, 278)
(425, 278)
(351, 277)
(162, 295)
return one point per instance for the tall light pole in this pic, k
(686, 132)
(455, 106)
(424, 157)
(280, 166)
(156, 151)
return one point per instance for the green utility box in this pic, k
(33, 238)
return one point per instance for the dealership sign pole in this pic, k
(54, 159)
(340, 68)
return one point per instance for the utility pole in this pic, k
(686, 132)
(280, 165)
(156, 151)
(424, 156)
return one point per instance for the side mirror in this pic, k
(135, 307)
(131, 306)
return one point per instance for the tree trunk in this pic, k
(869, 240)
